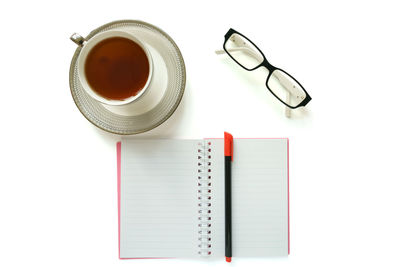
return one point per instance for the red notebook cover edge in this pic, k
(287, 139)
(119, 195)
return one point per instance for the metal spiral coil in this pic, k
(204, 196)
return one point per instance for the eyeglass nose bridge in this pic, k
(268, 65)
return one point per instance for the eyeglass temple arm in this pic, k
(289, 92)
(288, 89)
(287, 109)
(238, 49)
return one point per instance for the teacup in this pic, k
(115, 70)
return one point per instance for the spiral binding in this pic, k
(204, 197)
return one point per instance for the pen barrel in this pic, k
(228, 207)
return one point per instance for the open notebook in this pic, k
(171, 198)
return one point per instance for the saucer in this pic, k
(167, 87)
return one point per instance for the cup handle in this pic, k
(79, 40)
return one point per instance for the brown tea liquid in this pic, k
(117, 68)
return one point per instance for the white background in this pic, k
(58, 190)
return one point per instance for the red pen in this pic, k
(228, 152)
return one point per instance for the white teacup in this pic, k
(87, 45)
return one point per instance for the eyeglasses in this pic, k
(280, 83)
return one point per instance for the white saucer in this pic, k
(164, 96)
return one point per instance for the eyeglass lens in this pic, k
(286, 88)
(243, 51)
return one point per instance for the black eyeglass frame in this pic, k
(267, 65)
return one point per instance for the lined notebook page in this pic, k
(158, 198)
(259, 197)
